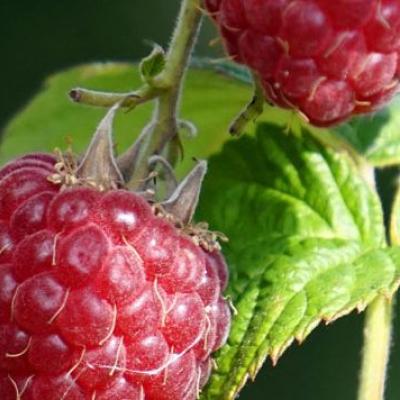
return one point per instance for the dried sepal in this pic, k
(167, 173)
(99, 165)
(128, 161)
(183, 201)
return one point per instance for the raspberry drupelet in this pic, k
(100, 298)
(328, 60)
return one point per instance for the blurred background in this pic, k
(41, 37)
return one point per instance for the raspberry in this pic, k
(328, 60)
(100, 298)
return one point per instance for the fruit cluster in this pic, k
(99, 297)
(327, 59)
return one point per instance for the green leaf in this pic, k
(376, 136)
(153, 64)
(51, 118)
(227, 68)
(307, 244)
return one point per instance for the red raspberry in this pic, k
(99, 297)
(327, 59)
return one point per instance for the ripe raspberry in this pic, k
(99, 297)
(326, 59)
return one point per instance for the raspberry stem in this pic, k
(107, 99)
(377, 333)
(165, 123)
(376, 351)
(251, 112)
(166, 88)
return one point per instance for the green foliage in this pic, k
(376, 136)
(51, 118)
(307, 244)
(153, 64)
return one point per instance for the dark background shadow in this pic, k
(41, 37)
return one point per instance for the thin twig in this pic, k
(377, 333)
(251, 112)
(165, 122)
(105, 99)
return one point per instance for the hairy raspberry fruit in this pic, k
(99, 297)
(327, 59)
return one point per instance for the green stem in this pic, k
(164, 125)
(377, 337)
(166, 88)
(377, 332)
(105, 99)
(181, 45)
(252, 110)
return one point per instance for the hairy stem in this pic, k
(181, 46)
(377, 333)
(105, 99)
(377, 337)
(166, 88)
(164, 126)
(251, 112)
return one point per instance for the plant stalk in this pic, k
(377, 332)
(252, 110)
(164, 126)
(105, 99)
(376, 351)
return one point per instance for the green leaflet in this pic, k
(376, 136)
(306, 244)
(51, 117)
